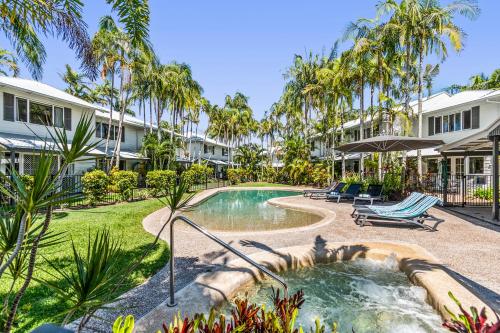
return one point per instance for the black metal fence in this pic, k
(73, 187)
(457, 190)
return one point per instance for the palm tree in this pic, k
(77, 84)
(8, 61)
(430, 73)
(23, 21)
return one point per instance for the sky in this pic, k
(247, 46)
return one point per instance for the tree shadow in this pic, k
(488, 296)
(470, 219)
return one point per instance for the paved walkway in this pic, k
(469, 249)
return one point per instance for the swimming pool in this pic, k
(367, 295)
(248, 210)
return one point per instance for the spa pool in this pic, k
(248, 210)
(366, 295)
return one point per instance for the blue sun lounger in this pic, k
(409, 201)
(415, 215)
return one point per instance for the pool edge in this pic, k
(213, 288)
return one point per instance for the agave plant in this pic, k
(473, 322)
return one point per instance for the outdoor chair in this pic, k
(373, 192)
(413, 215)
(320, 191)
(349, 194)
(321, 194)
(409, 201)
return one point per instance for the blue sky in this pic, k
(247, 45)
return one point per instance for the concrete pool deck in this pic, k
(469, 251)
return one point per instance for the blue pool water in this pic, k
(248, 210)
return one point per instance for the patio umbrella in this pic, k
(385, 143)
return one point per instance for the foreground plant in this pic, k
(473, 322)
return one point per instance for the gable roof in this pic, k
(461, 98)
(44, 90)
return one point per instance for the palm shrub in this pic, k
(160, 181)
(95, 185)
(35, 200)
(393, 184)
(124, 182)
(269, 174)
(85, 285)
(201, 172)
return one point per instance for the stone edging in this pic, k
(213, 288)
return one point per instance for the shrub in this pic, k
(237, 175)
(95, 184)
(485, 193)
(159, 181)
(124, 182)
(320, 175)
(188, 177)
(201, 172)
(269, 174)
(393, 185)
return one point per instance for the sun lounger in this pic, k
(373, 192)
(349, 194)
(414, 215)
(409, 201)
(321, 194)
(320, 191)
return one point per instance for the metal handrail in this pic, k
(225, 245)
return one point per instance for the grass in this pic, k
(259, 184)
(124, 222)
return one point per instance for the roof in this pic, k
(129, 155)
(198, 138)
(127, 119)
(32, 143)
(461, 98)
(44, 90)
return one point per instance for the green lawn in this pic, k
(124, 222)
(259, 184)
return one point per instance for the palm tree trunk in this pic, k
(420, 72)
(110, 120)
(361, 123)
(383, 129)
(150, 113)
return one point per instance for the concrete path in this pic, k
(470, 250)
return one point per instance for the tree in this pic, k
(23, 22)
(76, 84)
(8, 61)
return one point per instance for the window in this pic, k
(58, 117)
(40, 114)
(466, 119)
(98, 130)
(205, 149)
(458, 121)
(432, 165)
(476, 165)
(475, 117)
(366, 133)
(459, 166)
(446, 128)
(437, 125)
(22, 109)
(8, 107)
(451, 122)
(356, 135)
(431, 126)
(448, 165)
(224, 151)
(313, 145)
(213, 150)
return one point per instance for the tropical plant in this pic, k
(24, 21)
(121, 326)
(95, 186)
(237, 175)
(161, 153)
(159, 182)
(8, 61)
(469, 322)
(45, 193)
(250, 157)
(87, 283)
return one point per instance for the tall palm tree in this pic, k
(23, 21)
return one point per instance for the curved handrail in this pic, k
(225, 245)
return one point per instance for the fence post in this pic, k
(464, 190)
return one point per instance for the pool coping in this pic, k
(327, 216)
(213, 288)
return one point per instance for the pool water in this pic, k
(364, 295)
(248, 210)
